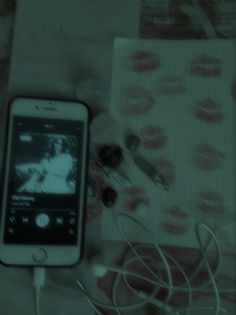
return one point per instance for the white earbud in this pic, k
(98, 267)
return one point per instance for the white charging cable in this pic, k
(38, 283)
(156, 279)
(100, 269)
(150, 297)
(211, 276)
(155, 301)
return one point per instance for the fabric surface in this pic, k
(158, 19)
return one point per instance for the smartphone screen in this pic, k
(43, 191)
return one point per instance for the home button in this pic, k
(40, 255)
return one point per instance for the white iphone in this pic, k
(44, 184)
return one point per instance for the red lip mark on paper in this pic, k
(153, 137)
(172, 85)
(173, 229)
(208, 111)
(144, 61)
(233, 90)
(136, 101)
(134, 196)
(211, 203)
(172, 78)
(167, 170)
(206, 66)
(175, 222)
(175, 212)
(207, 157)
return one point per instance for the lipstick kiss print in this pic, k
(208, 111)
(136, 100)
(133, 197)
(144, 61)
(153, 137)
(175, 222)
(211, 203)
(206, 66)
(207, 158)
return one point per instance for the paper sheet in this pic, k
(68, 44)
(176, 96)
(57, 45)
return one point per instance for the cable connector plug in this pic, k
(38, 283)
